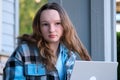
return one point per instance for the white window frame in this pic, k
(103, 30)
(16, 28)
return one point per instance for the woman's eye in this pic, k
(58, 23)
(45, 24)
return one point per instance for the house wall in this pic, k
(8, 29)
(8, 25)
(79, 13)
(95, 22)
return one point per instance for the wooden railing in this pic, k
(118, 7)
(3, 59)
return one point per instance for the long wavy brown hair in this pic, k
(70, 38)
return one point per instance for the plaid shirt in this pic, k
(25, 64)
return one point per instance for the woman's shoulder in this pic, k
(67, 52)
(24, 45)
(25, 51)
(70, 54)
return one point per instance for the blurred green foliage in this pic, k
(118, 46)
(118, 53)
(28, 8)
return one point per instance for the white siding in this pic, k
(8, 29)
(8, 17)
(8, 6)
(9, 20)
(16, 21)
(0, 25)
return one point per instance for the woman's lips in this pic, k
(52, 36)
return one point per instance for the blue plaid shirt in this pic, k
(25, 64)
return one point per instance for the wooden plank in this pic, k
(1, 24)
(8, 29)
(8, 39)
(1, 77)
(118, 7)
(8, 18)
(8, 7)
(7, 49)
(3, 60)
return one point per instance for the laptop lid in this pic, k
(94, 70)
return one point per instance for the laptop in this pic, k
(94, 70)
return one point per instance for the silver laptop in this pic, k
(94, 70)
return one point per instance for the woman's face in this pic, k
(51, 27)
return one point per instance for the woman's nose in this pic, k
(52, 28)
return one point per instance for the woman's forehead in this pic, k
(49, 15)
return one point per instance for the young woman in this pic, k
(50, 52)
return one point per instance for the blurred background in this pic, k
(88, 17)
(28, 9)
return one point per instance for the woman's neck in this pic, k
(54, 47)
